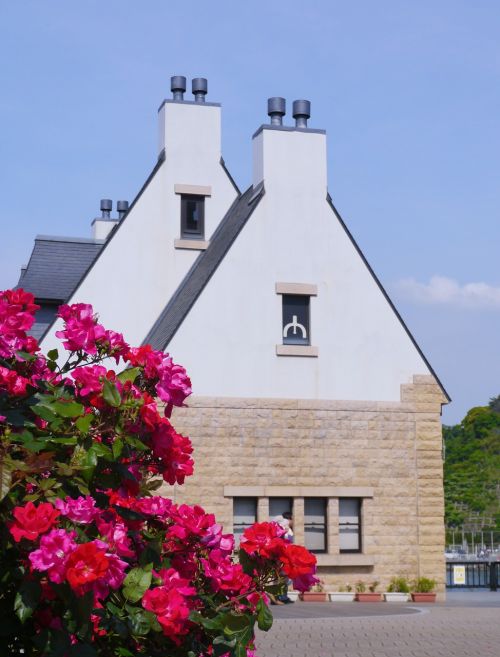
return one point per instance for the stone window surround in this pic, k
(193, 190)
(298, 493)
(305, 289)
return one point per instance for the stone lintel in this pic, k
(298, 491)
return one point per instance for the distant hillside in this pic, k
(472, 469)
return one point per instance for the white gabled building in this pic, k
(310, 393)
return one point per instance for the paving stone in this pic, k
(432, 631)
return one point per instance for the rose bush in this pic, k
(93, 562)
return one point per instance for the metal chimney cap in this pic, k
(122, 206)
(301, 109)
(276, 105)
(199, 85)
(106, 205)
(178, 83)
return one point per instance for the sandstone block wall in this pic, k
(390, 450)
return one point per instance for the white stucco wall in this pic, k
(228, 340)
(139, 269)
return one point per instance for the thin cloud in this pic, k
(447, 291)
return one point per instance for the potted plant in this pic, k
(423, 590)
(316, 594)
(362, 595)
(398, 590)
(344, 594)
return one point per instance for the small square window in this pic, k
(296, 319)
(192, 216)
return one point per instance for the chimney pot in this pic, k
(178, 86)
(276, 109)
(199, 87)
(301, 112)
(122, 208)
(106, 207)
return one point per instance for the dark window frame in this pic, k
(358, 524)
(286, 298)
(324, 500)
(186, 232)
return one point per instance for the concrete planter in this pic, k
(313, 596)
(341, 596)
(293, 595)
(423, 597)
(368, 596)
(396, 596)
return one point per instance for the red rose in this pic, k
(263, 539)
(85, 565)
(31, 521)
(297, 561)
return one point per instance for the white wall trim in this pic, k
(297, 288)
(198, 190)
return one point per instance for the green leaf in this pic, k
(117, 447)
(137, 583)
(25, 355)
(151, 554)
(140, 621)
(123, 652)
(83, 423)
(264, 616)
(236, 624)
(111, 394)
(135, 442)
(5, 477)
(130, 374)
(45, 412)
(67, 409)
(216, 623)
(53, 354)
(27, 599)
(154, 484)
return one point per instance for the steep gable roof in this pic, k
(204, 267)
(57, 265)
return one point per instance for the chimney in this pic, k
(199, 87)
(122, 209)
(178, 87)
(189, 130)
(103, 225)
(301, 112)
(276, 109)
(287, 158)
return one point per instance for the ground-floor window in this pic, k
(349, 524)
(244, 515)
(315, 524)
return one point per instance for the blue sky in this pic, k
(409, 94)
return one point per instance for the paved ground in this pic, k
(466, 625)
